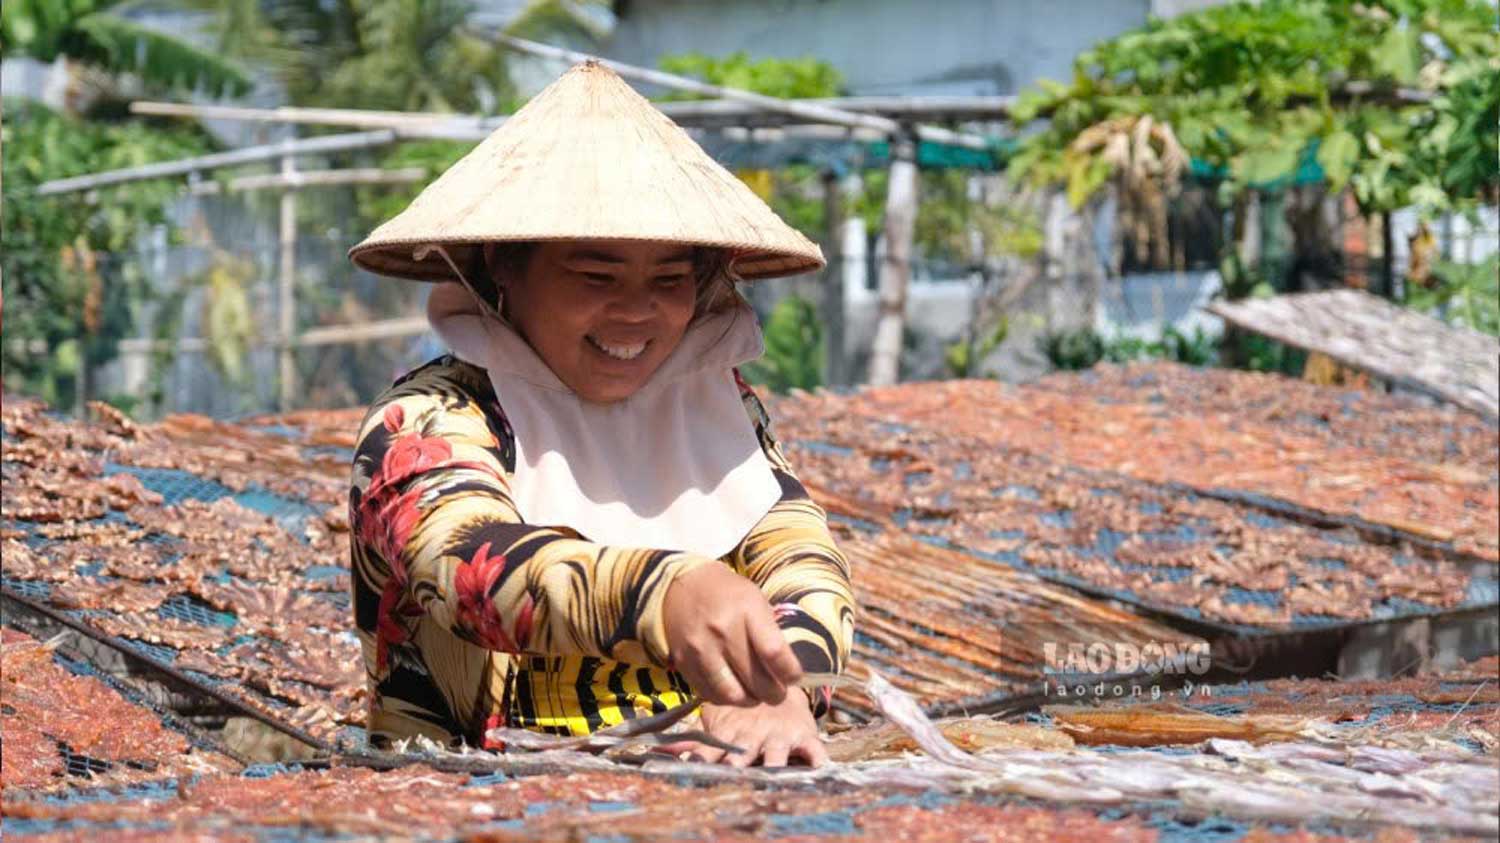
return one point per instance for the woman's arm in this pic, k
(439, 538)
(791, 555)
(444, 542)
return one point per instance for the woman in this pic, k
(581, 515)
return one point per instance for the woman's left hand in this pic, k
(770, 734)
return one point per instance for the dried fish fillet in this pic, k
(1143, 726)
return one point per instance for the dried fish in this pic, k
(77, 711)
(1156, 726)
(124, 596)
(154, 629)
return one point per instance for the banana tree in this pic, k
(1394, 100)
(93, 35)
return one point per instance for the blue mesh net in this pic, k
(833, 823)
(28, 588)
(191, 610)
(176, 486)
(1172, 829)
(156, 652)
(163, 789)
(266, 771)
(83, 766)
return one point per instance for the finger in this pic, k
(741, 660)
(692, 749)
(762, 682)
(811, 751)
(774, 754)
(708, 754)
(675, 749)
(752, 746)
(773, 652)
(719, 683)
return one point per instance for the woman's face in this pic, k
(603, 314)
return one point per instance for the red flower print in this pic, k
(394, 417)
(389, 627)
(411, 455)
(491, 723)
(474, 583)
(520, 631)
(386, 521)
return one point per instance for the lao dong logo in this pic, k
(1103, 659)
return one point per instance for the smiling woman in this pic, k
(604, 315)
(581, 515)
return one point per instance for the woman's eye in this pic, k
(671, 280)
(598, 277)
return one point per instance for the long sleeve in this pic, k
(439, 539)
(791, 555)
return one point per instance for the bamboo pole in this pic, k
(796, 108)
(286, 299)
(687, 113)
(353, 118)
(314, 178)
(833, 281)
(383, 329)
(234, 158)
(895, 267)
(365, 332)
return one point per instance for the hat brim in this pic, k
(397, 258)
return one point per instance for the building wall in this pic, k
(885, 47)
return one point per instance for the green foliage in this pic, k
(1251, 88)
(804, 78)
(1085, 347)
(1072, 350)
(963, 357)
(796, 190)
(376, 204)
(67, 284)
(946, 218)
(84, 31)
(227, 322)
(399, 55)
(794, 348)
(1263, 354)
(1463, 294)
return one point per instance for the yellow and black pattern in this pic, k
(469, 618)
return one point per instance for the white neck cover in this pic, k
(675, 466)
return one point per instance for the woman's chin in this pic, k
(608, 390)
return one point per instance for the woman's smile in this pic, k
(623, 351)
(603, 315)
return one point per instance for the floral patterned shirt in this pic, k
(470, 618)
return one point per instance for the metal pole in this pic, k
(287, 289)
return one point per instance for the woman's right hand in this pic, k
(724, 640)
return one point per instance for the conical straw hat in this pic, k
(587, 158)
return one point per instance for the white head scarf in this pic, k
(677, 465)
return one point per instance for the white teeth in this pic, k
(620, 352)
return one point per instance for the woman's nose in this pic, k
(632, 305)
